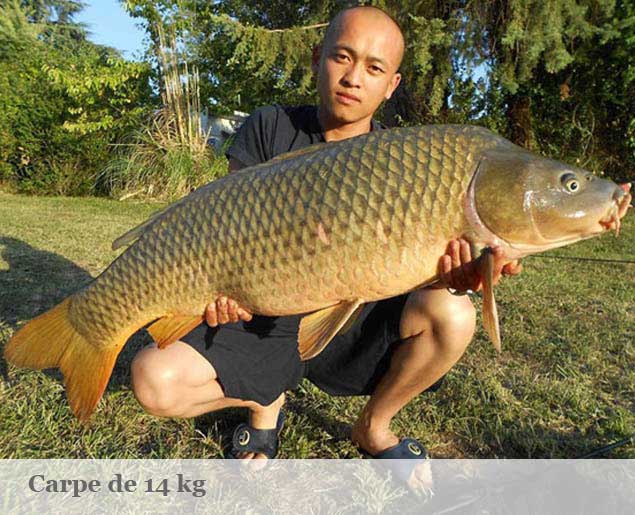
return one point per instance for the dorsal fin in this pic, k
(134, 233)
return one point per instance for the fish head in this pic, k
(532, 204)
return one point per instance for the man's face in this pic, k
(358, 66)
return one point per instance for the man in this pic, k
(396, 349)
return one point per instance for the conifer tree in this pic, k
(522, 39)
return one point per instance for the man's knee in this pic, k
(154, 383)
(163, 380)
(450, 318)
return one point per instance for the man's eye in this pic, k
(376, 69)
(341, 57)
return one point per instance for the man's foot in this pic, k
(382, 443)
(267, 418)
(372, 439)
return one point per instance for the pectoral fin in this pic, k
(490, 312)
(319, 328)
(170, 328)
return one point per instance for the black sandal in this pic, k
(406, 449)
(407, 454)
(261, 441)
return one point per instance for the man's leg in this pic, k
(178, 382)
(436, 328)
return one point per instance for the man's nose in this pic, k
(353, 76)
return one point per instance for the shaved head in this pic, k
(369, 12)
(357, 69)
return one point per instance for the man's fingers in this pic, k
(458, 272)
(465, 252)
(244, 315)
(470, 268)
(455, 253)
(232, 311)
(225, 310)
(446, 265)
(513, 268)
(443, 270)
(210, 315)
(456, 268)
(221, 310)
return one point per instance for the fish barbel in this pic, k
(319, 231)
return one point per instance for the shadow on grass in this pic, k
(35, 281)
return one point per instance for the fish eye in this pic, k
(570, 182)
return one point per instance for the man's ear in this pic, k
(315, 58)
(394, 82)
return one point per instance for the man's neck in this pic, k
(335, 131)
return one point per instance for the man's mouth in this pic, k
(346, 98)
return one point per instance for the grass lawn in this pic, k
(564, 385)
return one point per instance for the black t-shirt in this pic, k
(273, 130)
(268, 132)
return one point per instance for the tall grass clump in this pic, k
(170, 156)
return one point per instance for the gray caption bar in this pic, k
(318, 486)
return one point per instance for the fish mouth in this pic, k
(612, 221)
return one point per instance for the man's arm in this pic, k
(235, 165)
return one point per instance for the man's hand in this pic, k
(460, 271)
(225, 310)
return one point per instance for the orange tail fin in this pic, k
(51, 341)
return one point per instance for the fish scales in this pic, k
(279, 238)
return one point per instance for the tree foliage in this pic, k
(586, 111)
(246, 53)
(63, 98)
(102, 92)
(51, 11)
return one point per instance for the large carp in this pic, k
(320, 230)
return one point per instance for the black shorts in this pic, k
(258, 360)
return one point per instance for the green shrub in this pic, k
(63, 101)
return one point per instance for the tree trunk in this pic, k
(519, 121)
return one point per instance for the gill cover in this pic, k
(530, 200)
